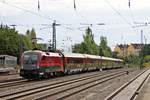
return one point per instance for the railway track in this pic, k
(79, 88)
(131, 89)
(9, 80)
(13, 83)
(57, 88)
(19, 81)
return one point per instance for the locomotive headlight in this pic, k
(22, 66)
(41, 73)
(38, 67)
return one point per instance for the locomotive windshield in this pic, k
(30, 61)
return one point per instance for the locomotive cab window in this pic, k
(30, 59)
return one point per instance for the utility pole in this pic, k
(145, 40)
(141, 36)
(54, 35)
(141, 62)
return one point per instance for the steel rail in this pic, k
(95, 81)
(18, 81)
(13, 83)
(9, 80)
(46, 87)
(87, 87)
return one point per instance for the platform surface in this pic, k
(145, 92)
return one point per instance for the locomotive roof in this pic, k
(44, 53)
(37, 51)
(51, 54)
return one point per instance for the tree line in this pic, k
(88, 46)
(13, 43)
(141, 60)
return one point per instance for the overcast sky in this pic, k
(119, 19)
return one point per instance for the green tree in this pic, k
(145, 50)
(147, 58)
(101, 52)
(133, 59)
(32, 36)
(105, 49)
(27, 44)
(145, 55)
(43, 47)
(9, 41)
(88, 46)
(28, 34)
(79, 48)
(114, 54)
(12, 43)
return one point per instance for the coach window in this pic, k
(69, 60)
(79, 60)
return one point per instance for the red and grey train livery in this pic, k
(38, 64)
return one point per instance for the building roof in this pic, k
(137, 46)
(123, 46)
(8, 57)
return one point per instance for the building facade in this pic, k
(128, 49)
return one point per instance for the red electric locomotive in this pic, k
(38, 64)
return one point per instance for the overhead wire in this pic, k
(121, 16)
(26, 10)
(78, 13)
(131, 13)
(74, 4)
(37, 14)
(133, 18)
(117, 12)
(66, 26)
(12, 22)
